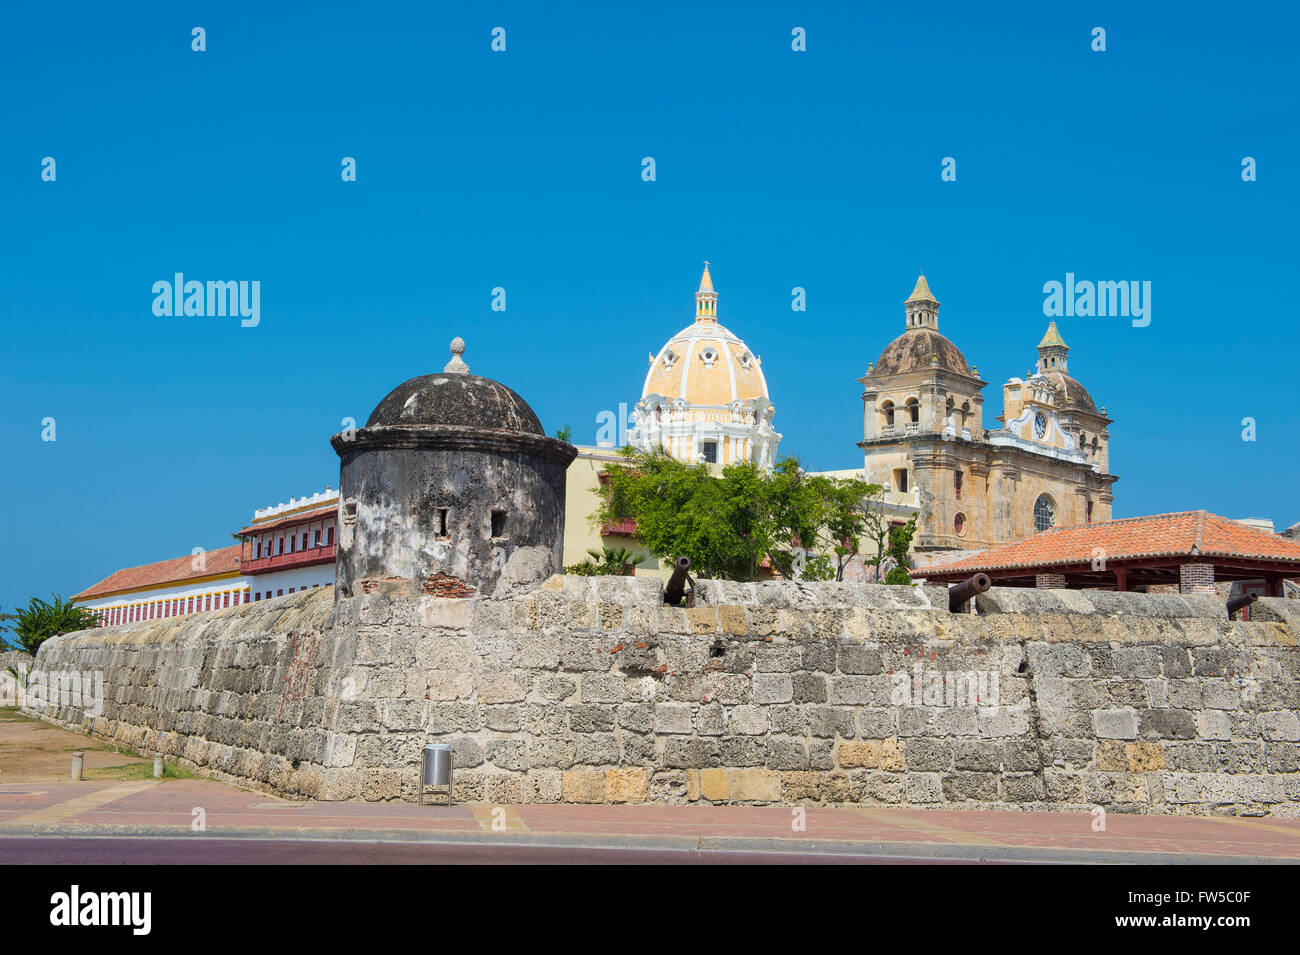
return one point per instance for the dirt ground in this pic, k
(35, 752)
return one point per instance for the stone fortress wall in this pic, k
(590, 690)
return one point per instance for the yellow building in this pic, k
(582, 503)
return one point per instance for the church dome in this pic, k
(921, 345)
(915, 349)
(455, 397)
(704, 363)
(1069, 393)
(705, 396)
(1053, 364)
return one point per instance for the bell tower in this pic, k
(922, 307)
(1053, 353)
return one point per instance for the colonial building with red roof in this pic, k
(1187, 551)
(286, 548)
(202, 580)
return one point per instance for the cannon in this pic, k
(1236, 603)
(675, 589)
(958, 594)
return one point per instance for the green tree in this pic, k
(728, 524)
(900, 544)
(876, 526)
(845, 506)
(39, 621)
(564, 434)
(677, 508)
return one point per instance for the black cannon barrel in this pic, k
(958, 594)
(675, 589)
(1236, 603)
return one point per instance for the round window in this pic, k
(959, 525)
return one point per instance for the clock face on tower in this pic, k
(1040, 425)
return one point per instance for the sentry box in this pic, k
(435, 769)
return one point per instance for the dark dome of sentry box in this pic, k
(448, 398)
(452, 489)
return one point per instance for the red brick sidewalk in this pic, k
(171, 808)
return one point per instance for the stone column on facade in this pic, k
(975, 489)
(1002, 524)
(869, 413)
(932, 407)
(977, 418)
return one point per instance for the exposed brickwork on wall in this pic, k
(1049, 581)
(445, 585)
(1196, 578)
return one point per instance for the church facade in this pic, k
(924, 432)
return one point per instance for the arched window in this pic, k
(888, 410)
(913, 410)
(1044, 513)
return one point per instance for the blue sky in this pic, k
(522, 169)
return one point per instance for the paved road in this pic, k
(137, 850)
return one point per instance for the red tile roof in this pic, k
(224, 560)
(1182, 534)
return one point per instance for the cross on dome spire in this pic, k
(706, 299)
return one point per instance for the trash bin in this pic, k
(436, 768)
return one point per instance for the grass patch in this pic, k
(131, 771)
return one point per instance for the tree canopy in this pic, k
(33, 625)
(804, 526)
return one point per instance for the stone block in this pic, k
(1167, 724)
(627, 785)
(749, 720)
(714, 785)
(1115, 724)
(809, 688)
(801, 786)
(754, 785)
(892, 756)
(771, 688)
(583, 786)
(1144, 757)
(691, 753)
(859, 754)
(1281, 725)
(675, 718)
(923, 787)
(1213, 724)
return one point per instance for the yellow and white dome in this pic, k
(705, 396)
